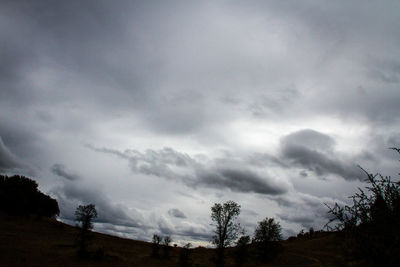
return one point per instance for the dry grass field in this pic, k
(46, 242)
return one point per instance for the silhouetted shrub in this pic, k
(84, 215)
(19, 195)
(371, 224)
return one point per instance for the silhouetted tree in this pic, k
(227, 230)
(311, 232)
(166, 244)
(184, 256)
(301, 234)
(156, 241)
(371, 223)
(267, 231)
(242, 246)
(85, 215)
(19, 195)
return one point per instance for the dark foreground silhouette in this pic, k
(19, 195)
(30, 242)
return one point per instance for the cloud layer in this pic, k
(272, 104)
(170, 164)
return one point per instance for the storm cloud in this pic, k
(176, 213)
(170, 164)
(240, 180)
(59, 169)
(267, 103)
(70, 195)
(314, 151)
(7, 160)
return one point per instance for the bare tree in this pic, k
(156, 241)
(227, 230)
(166, 244)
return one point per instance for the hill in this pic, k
(48, 242)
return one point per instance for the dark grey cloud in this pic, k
(194, 233)
(174, 165)
(70, 195)
(19, 135)
(7, 160)
(59, 169)
(304, 220)
(303, 173)
(305, 210)
(314, 151)
(199, 76)
(176, 213)
(273, 102)
(265, 159)
(119, 50)
(310, 138)
(239, 180)
(191, 232)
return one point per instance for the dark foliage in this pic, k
(227, 230)
(20, 195)
(371, 224)
(85, 215)
(311, 233)
(184, 256)
(156, 241)
(242, 247)
(266, 232)
(167, 246)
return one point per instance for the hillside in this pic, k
(30, 242)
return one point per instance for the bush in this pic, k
(371, 224)
(19, 195)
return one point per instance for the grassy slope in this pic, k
(28, 242)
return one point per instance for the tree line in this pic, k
(229, 232)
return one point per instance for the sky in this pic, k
(155, 110)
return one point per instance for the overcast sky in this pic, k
(155, 110)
